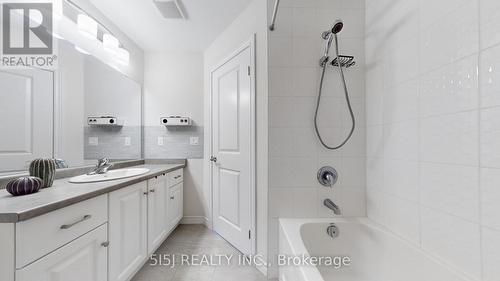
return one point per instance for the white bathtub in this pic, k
(375, 254)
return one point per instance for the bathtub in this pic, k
(374, 253)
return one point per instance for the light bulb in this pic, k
(123, 56)
(110, 43)
(81, 50)
(87, 26)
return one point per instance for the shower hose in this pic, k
(346, 98)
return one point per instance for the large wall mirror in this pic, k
(57, 114)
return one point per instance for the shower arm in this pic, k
(275, 13)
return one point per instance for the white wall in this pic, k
(173, 85)
(249, 22)
(295, 153)
(433, 117)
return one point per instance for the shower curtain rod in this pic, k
(275, 12)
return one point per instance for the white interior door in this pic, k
(26, 111)
(232, 150)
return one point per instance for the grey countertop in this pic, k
(62, 194)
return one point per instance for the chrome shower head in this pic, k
(329, 35)
(337, 26)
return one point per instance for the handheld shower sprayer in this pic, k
(336, 28)
(329, 36)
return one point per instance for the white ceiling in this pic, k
(143, 22)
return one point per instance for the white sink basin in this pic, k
(110, 175)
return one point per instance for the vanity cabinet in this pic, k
(175, 211)
(157, 211)
(128, 210)
(140, 218)
(105, 238)
(83, 259)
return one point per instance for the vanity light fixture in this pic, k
(87, 26)
(57, 36)
(110, 43)
(81, 50)
(123, 56)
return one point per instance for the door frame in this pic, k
(249, 44)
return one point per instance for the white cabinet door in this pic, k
(175, 205)
(84, 259)
(26, 111)
(127, 231)
(157, 212)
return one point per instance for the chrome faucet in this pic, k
(332, 206)
(102, 167)
(61, 163)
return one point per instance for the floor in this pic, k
(199, 241)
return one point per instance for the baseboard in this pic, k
(206, 222)
(194, 220)
(262, 268)
(272, 272)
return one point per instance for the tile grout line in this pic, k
(479, 140)
(419, 137)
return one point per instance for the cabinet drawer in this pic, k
(175, 177)
(82, 259)
(41, 235)
(160, 179)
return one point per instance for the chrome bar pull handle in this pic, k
(84, 218)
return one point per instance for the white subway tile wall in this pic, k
(295, 47)
(433, 127)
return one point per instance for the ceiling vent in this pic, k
(171, 9)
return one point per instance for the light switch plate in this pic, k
(160, 140)
(194, 140)
(128, 141)
(94, 141)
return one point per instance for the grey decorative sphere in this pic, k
(24, 185)
(44, 169)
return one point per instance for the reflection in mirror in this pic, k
(45, 114)
(26, 111)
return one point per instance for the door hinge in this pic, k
(248, 70)
(249, 234)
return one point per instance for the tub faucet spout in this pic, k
(332, 206)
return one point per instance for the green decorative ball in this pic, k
(44, 169)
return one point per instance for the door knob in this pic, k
(213, 159)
